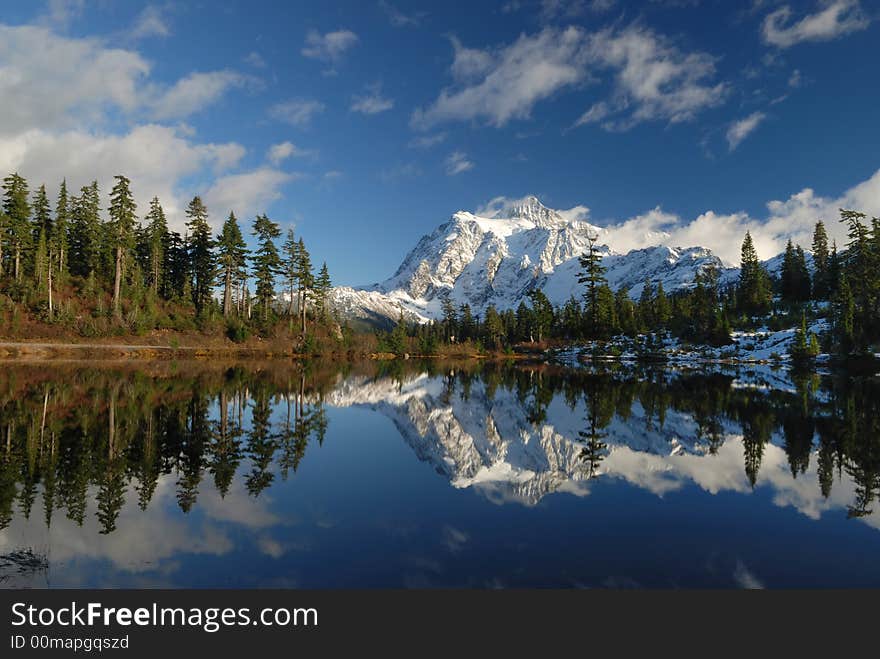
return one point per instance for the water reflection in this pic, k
(102, 452)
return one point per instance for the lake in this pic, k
(415, 475)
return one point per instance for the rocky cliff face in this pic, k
(496, 260)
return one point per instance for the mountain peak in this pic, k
(530, 208)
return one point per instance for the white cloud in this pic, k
(281, 152)
(652, 79)
(150, 23)
(398, 18)
(834, 19)
(741, 129)
(469, 63)
(596, 113)
(457, 162)
(195, 92)
(296, 112)
(400, 172)
(328, 47)
(372, 102)
(59, 82)
(529, 70)
(246, 194)
(426, 141)
(60, 13)
(566, 9)
(794, 218)
(255, 59)
(72, 95)
(156, 159)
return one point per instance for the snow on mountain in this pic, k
(487, 441)
(497, 260)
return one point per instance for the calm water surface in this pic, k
(192, 475)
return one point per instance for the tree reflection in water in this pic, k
(86, 440)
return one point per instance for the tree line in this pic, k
(843, 287)
(205, 429)
(61, 262)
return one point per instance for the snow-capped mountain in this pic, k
(497, 260)
(488, 442)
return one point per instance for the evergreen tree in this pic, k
(821, 256)
(266, 262)
(493, 327)
(232, 260)
(306, 280)
(201, 253)
(450, 320)
(157, 244)
(17, 211)
(61, 227)
(593, 275)
(85, 232)
(42, 213)
(40, 233)
(122, 219)
(323, 286)
(290, 265)
(467, 325)
(844, 310)
(646, 306)
(542, 314)
(754, 293)
(794, 276)
(662, 307)
(626, 312)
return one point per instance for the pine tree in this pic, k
(795, 277)
(40, 232)
(821, 280)
(266, 262)
(662, 308)
(861, 266)
(201, 253)
(232, 260)
(450, 319)
(494, 328)
(61, 227)
(42, 213)
(17, 211)
(755, 296)
(646, 306)
(542, 314)
(593, 275)
(626, 312)
(122, 218)
(323, 286)
(844, 317)
(157, 242)
(4, 229)
(85, 232)
(290, 266)
(306, 281)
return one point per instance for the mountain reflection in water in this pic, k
(188, 474)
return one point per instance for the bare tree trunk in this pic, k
(17, 262)
(302, 311)
(50, 286)
(227, 293)
(117, 281)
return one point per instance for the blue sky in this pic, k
(366, 124)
